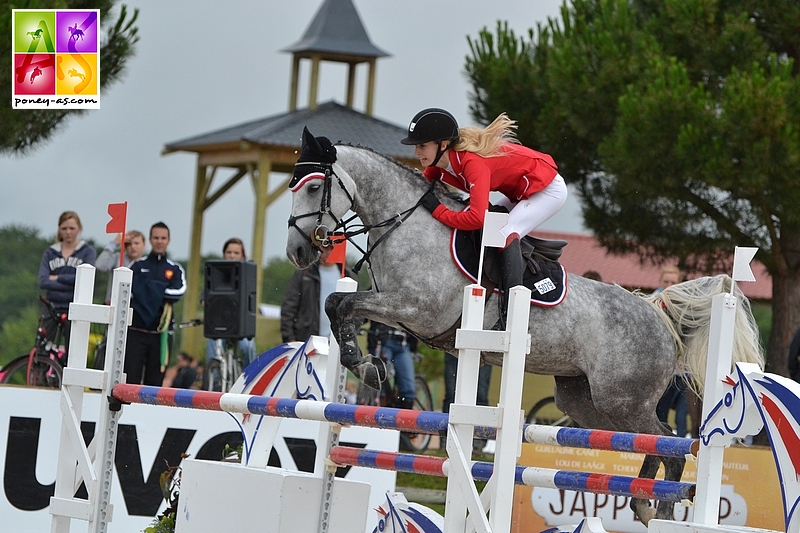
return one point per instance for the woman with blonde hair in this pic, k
(57, 269)
(482, 160)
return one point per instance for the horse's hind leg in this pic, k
(574, 397)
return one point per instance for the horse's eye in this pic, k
(313, 188)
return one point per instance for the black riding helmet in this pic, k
(432, 124)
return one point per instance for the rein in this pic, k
(341, 230)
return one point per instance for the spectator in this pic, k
(482, 398)
(185, 372)
(108, 259)
(57, 271)
(158, 283)
(395, 346)
(233, 250)
(676, 394)
(303, 307)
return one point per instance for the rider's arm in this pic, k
(478, 177)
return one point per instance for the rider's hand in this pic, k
(430, 202)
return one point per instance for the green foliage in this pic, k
(677, 122)
(24, 129)
(277, 274)
(19, 264)
(18, 334)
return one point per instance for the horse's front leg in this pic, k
(369, 370)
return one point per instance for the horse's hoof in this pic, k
(643, 510)
(381, 367)
(370, 375)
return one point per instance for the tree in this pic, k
(677, 120)
(23, 129)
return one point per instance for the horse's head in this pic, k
(320, 200)
(736, 414)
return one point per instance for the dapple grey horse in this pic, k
(612, 352)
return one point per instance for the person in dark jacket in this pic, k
(303, 307)
(158, 283)
(57, 270)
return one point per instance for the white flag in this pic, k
(741, 263)
(492, 224)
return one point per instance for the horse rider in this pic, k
(479, 161)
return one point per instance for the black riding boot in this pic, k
(512, 268)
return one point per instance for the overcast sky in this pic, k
(202, 65)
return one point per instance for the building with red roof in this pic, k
(584, 253)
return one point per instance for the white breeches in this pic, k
(527, 215)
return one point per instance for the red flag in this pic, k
(339, 253)
(119, 213)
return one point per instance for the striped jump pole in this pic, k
(400, 419)
(634, 487)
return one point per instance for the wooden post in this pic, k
(293, 82)
(194, 278)
(261, 185)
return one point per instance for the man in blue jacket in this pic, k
(157, 284)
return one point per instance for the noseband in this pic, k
(325, 237)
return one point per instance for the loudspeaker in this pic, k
(230, 300)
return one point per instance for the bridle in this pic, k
(325, 236)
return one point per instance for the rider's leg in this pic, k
(524, 217)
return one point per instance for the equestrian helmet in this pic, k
(432, 124)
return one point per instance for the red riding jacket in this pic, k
(518, 173)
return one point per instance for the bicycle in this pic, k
(225, 368)
(44, 365)
(545, 413)
(388, 397)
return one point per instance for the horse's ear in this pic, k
(318, 149)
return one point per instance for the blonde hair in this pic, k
(671, 270)
(487, 141)
(66, 215)
(134, 234)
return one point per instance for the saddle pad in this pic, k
(546, 279)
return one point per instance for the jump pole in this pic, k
(430, 422)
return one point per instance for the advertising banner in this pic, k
(149, 439)
(750, 490)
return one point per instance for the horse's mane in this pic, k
(440, 187)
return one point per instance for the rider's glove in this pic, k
(430, 202)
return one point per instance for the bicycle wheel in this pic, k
(43, 371)
(423, 401)
(545, 413)
(15, 371)
(213, 376)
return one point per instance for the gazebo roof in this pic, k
(337, 29)
(335, 121)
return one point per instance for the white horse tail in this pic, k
(687, 311)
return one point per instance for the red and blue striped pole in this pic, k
(672, 491)
(401, 419)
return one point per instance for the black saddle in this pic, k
(544, 275)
